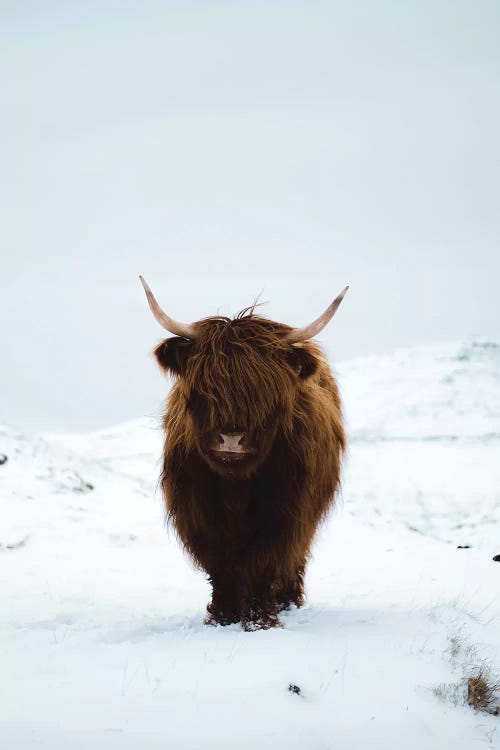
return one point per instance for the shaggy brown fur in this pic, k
(249, 523)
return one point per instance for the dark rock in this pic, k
(463, 546)
(294, 689)
(497, 558)
(3, 459)
(15, 545)
(83, 486)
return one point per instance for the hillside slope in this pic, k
(447, 391)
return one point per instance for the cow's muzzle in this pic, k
(231, 445)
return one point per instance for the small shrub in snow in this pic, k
(483, 691)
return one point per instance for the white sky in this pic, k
(222, 148)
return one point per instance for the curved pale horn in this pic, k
(303, 334)
(178, 329)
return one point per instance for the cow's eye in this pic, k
(303, 362)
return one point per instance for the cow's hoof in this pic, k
(287, 606)
(261, 621)
(219, 617)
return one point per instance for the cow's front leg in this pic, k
(227, 600)
(260, 610)
(291, 589)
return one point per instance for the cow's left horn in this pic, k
(303, 334)
(186, 330)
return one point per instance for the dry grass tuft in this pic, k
(483, 691)
(479, 686)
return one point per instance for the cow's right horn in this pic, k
(186, 330)
(303, 334)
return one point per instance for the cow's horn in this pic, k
(303, 334)
(178, 329)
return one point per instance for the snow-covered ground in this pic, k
(103, 643)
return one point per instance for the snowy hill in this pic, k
(424, 428)
(103, 613)
(445, 391)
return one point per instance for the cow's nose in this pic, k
(231, 442)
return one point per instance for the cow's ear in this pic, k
(303, 362)
(172, 354)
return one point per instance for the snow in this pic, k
(103, 643)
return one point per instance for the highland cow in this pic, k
(253, 444)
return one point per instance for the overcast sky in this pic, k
(224, 148)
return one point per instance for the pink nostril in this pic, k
(231, 441)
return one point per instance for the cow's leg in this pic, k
(291, 589)
(226, 605)
(260, 610)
